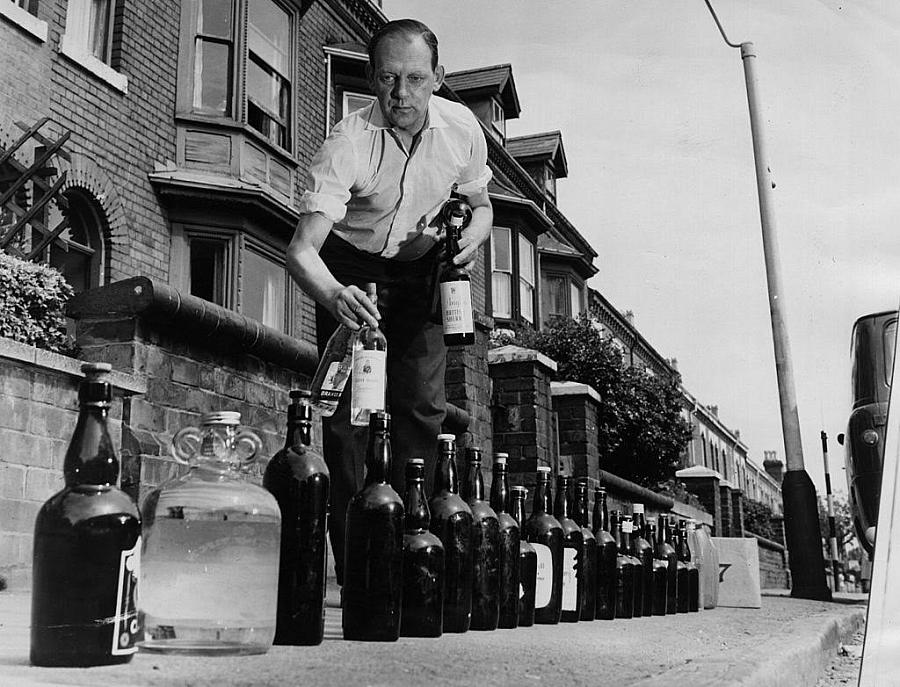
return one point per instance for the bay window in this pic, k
(526, 279)
(501, 272)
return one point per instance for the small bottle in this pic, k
(607, 554)
(572, 573)
(527, 561)
(626, 524)
(369, 381)
(509, 544)
(451, 521)
(693, 573)
(665, 551)
(626, 577)
(455, 285)
(423, 562)
(660, 575)
(299, 480)
(485, 548)
(333, 370)
(87, 548)
(545, 534)
(643, 551)
(588, 551)
(373, 553)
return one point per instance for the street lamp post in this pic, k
(801, 515)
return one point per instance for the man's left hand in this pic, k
(478, 231)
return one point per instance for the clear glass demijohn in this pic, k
(209, 574)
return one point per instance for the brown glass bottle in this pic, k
(643, 551)
(451, 521)
(683, 585)
(666, 552)
(573, 572)
(588, 551)
(527, 561)
(455, 285)
(509, 544)
(485, 548)
(626, 569)
(298, 479)
(373, 554)
(545, 534)
(607, 554)
(693, 572)
(87, 541)
(423, 562)
(660, 574)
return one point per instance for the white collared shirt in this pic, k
(382, 198)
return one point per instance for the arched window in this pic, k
(82, 260)
(705, 457)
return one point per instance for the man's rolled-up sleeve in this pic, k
(476, 174)
(330, 177)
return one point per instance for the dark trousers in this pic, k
(416, 361)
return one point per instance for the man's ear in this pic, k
(438, 77)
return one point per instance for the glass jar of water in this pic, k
(209, 577)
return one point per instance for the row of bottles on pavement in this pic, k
(228, 567)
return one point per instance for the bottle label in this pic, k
(569, 580)
(125, 625)
(334, 381)
(369, 369)
(627, 527)
(543, 589)
(456, 306)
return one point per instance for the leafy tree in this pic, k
(843, 521)
(758, 519)
(641, 431)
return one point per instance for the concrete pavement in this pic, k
(785, 643)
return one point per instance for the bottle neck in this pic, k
(581, 507)
(542, 495)
(418, 516)
(518, 507)
(445, 478)
(91, 458)
(474, 482)
(378, 455)
(615, 529)
(684, 552)
(562, 506)
(500, 489)
(299, 425)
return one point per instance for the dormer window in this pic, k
(550, 184)
(498, 119)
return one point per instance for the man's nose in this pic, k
(401, 88)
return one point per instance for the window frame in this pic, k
(498, 118)
(523, 282)
(77, 38)
(509, 273)
(347, 93)
(250, 244)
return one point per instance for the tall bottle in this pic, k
(368, 383)
(333, 370)
(693, 574)
(545, 534)
(660, 574)
(710, 570)
(485, 548)
(683, 584)
(626, 524)
(626, 569)
(588, 551)
(643, 551)
(299, 480)
(573, 572)
(87, 548)
(456, 291)
(423, 562)
(607, 555)
(666, 552)
(451, 521)
(509, 544)
(527, 561)
(697, 558)
(373, 554)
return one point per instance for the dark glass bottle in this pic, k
(607, 554)
(626, 524)
(423, 562)
(87, 548)
(693, 572)
(527, 562)
(573, 573)
(626, 569)
(588, 551)
(665, 551)
(683, 585)
(298, 479)
(509, 544)
(485, 548)
(373, 554)
(660, 575)
(455, 285)
(451, 521)
(545, 534)
(643, 551)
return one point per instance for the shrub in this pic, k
(758, 519)
(32, 304)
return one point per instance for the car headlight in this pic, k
(870, 437)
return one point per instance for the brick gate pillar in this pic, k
(704, 484)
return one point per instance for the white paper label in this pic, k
(569, 580)
(368, 379)
(456, 306)
(627, 527)
(125, 625)
(543, 589)
(334, 382)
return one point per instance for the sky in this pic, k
(652, 106)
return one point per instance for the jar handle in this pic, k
(186, 444)
(247, 445)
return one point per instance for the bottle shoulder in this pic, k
(587, 535)
(507, 522)
(299, 463)
(445, 504)
(542, 522)
(421, 539)
(84, 502)
(481, 510)
(377, 496)
(570, 528)
(208, 491)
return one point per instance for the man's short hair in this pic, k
(406, 27)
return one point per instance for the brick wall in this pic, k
(773, 572)
(469, 386)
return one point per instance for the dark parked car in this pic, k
(872, 357)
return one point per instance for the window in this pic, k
(351, 102)
(575, 299)
(501, 272)
(90, 38)
(82, 260)
(555, 300)
(29, 6)
(261, 75)
(498, 118)
(550, 184)
(263, 289)
(526, 279)
(208, 268)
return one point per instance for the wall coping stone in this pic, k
(130, 384)
(574, 389)
(766, 543)
(518, 354)
(698, 471)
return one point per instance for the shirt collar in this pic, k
(376, 119)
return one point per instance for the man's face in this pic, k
(403, 81)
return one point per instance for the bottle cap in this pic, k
(300, 393)
(543, 468)
(93, 369)
(500, 458)
(599, 490)
(416, 461)
(637, 508)
(473, 454)
(519, 489)
(446, 437)
(221, 417)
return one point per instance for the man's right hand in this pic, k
(351, 306)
